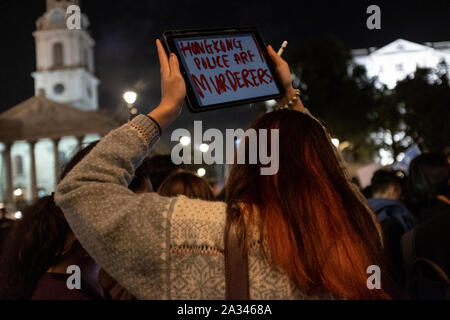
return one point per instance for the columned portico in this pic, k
(9, 176)
(56, 156)
(65, 89)
(80, 142)
(33, 171)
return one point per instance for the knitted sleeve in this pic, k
(126, 233)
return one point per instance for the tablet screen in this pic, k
(225, 68)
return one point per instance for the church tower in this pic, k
(65, 58)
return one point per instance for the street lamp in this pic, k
(130, 98)
(18, 192)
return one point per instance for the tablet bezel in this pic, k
(191, 100)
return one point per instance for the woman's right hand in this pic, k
(173, 88)
(284, 74)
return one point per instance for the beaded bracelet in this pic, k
(291, 102)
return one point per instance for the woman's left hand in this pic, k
(284, 74)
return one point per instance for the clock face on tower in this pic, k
(57, 18)
(58, 88)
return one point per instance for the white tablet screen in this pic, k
(223, 69)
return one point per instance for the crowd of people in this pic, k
(144, 228)
(414, 214)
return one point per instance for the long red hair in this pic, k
(315, 224)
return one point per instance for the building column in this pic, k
(9, 178)
(33, 171)
(56, 156)
(80, 142)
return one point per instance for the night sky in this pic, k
(125, 32)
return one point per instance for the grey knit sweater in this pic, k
(156, 247)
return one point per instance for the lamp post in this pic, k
(130, 98)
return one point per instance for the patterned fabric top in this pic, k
(156, 247)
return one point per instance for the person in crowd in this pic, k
(216, 188)
(140, 184)
(394, 216)
(43, 246)
(428, 186)
(387, 190)
(187, 184)
(426, 248)
(222, 195)
(307, 230)
(5, 226)
(159, 168)
(367, 192)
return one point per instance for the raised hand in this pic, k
(284, 74)
(173, 88)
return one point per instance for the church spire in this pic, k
(65, 58)
(56, 15)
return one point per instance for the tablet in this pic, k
(223, 68)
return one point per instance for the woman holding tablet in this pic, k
(308, 233)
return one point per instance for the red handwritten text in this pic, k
(224, 82)
(210, 46)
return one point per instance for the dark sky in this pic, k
(125, 32)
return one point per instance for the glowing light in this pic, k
(130, 97)
(271, 103)
(42, 193)
(18, 215)
(344, 145)
(18, 192)
(201, 172)
(185, 140)
(400, 174)
(400, 156)
(203, 147)
(386, 158)
(335, 142)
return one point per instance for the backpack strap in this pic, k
(236, 264)
(409, 254)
